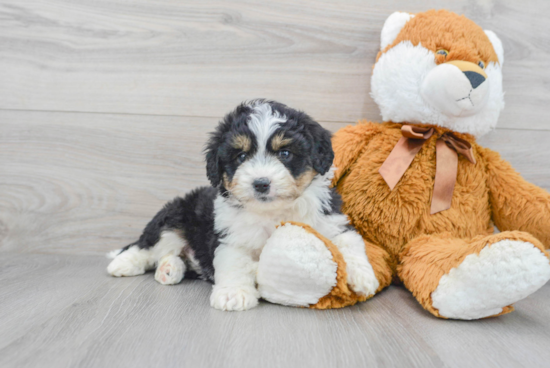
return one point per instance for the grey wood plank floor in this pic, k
(195, 58)
(81, 317)
(104, 109)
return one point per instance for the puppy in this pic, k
(266, 163)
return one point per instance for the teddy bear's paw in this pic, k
(296, 268)
(483, 284)
(361, 279)
(170, 270)
(234, 298)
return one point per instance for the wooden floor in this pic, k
(104, 109)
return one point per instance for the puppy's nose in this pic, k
(261, 185)
(475, 78)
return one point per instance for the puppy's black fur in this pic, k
(193, 215)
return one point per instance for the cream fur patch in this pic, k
(295, 268)
(392, 26)
(497, 45)
(501, 274)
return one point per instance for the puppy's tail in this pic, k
(112, 254)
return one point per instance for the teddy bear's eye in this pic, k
(442, 52)
(481, 64)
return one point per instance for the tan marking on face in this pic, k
(304, 180)
(466, 66)
(279, 141)
(228, 184)
(241, 142)
(233, 186)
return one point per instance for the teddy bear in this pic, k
(424, 195)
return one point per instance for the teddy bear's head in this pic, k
(439, 68)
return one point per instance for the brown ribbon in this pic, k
(448, 146)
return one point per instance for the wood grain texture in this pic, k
(123, 94)
(79, 316)
(88, 183)
(35, 287)
(171, 57)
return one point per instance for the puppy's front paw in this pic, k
(361, 279)
(234, 298)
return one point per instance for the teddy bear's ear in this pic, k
(497, 45)
(392, 27)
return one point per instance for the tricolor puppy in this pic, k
(267, 163)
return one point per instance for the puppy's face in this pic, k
(265, 154)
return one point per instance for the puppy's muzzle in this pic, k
(456, 88)
(262, 185)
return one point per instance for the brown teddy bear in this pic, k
(421, 191)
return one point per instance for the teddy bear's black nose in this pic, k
(475, 78)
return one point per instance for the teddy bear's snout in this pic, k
(456, 88)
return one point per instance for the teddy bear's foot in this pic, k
(295, 268)
(170, 270)
(486, 284)
(300, 267)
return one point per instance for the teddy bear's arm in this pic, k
(348, 143)
(515, 203)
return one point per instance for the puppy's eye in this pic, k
(442, 52)
(481, 64)
(241, 157)
(285, 155)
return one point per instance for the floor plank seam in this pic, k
(211, 117)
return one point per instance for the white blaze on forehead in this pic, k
(263, 122)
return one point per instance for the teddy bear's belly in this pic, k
(393, 218)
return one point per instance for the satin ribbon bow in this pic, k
(447, 149)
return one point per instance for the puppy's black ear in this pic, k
(213, 168)
(216, 145)
(322, 154)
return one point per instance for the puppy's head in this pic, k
(265, 154)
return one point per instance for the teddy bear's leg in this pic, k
(476, 278)
(300, 267)
(380, 261)
(296, 268)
